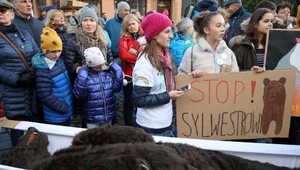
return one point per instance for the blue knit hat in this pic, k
(204, 5)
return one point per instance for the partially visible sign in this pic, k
(284, 54)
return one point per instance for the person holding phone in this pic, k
(153, 78)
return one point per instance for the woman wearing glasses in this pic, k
(16, 78)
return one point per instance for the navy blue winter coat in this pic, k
(74, 57)
(33, 26)
(54, 89)
(17, 100)
(97, 88)
(235, 21)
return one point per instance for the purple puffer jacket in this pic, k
(96, 89)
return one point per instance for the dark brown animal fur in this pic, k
(138, 156)
(215, 160)
(25, 156)
(110, 135)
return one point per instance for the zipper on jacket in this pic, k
(103, 95)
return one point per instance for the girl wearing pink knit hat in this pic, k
(153, 78)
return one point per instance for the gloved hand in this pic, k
(109, 61)
(26, 79)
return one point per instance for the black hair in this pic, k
(266, 4)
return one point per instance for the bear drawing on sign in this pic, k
(274, 101)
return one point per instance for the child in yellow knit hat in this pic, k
(52, 81)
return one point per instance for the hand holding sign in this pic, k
(197, 73)
(258, 69)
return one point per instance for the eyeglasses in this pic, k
(3, 10)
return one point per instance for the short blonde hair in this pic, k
(50, 15)
(125, 23)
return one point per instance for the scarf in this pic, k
(8, 29)
(87, 40)
(165, 60)
(135, 36)
(50, 63)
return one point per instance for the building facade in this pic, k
(174, 7)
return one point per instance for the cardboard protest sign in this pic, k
(11, 124)
(243, 105)
(282, 52)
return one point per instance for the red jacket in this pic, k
(128, 59)
(1, 109)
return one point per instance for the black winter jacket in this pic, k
(74, 57)
(64, 36)
(235, 22)
(244, 51)
(141, 97)
(33, 26)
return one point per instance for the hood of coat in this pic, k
(239, 40)
(244, 24)
(72, 29)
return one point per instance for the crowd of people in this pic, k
(96, 67)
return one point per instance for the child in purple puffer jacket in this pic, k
(95, 84)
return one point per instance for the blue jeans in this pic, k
(166, 133)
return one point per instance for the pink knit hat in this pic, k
(153, 24)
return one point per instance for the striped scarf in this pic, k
(165, 60)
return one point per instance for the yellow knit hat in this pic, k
(50, 41)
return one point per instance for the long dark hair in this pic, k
(251, 32)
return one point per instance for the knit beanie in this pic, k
(154, 24)
(204, 5)
(50, 41)
(88, 12)
(123, 5)
(93, 57)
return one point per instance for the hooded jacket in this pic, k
(54, 89)
(97, 90)
(235, 21)
(244, 51)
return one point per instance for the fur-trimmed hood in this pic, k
(72, 29)
(244, 24)
(239, 40)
